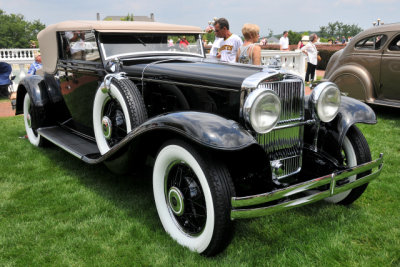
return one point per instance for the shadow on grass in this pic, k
(129, 192)
(389, 113)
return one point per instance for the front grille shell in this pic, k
(284, 144)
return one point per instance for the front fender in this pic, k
(351, 112)
(35, 86)
(206, 129)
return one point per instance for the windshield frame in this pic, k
(153, 52)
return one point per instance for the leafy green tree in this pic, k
(16, 32)
(294, 37)
(338, 29)
(210, 37)
(128, 17)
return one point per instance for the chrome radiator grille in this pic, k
(284, 144)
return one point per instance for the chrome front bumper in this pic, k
(242, 207)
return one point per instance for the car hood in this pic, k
(197, 72)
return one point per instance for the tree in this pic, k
(294, 37)
(338, 29)
(128, 17)
(16, 32)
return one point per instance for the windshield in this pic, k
(120, 44)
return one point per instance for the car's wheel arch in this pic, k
(343, 74)
(35, 86)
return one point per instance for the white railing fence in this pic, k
(20, 59)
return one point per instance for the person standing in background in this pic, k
(249, 52)
(312, 57)
(37, 65)
(230, 43)
(284, 42)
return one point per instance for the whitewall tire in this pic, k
(33, 136)
(116, 113)
(192, 196)
(355, 151)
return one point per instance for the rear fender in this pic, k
(355, 81)
(36, 88)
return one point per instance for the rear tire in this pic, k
(192, 193)
(356, 151)
(30, 114)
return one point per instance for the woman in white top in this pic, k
(249, 52)
(312, 55)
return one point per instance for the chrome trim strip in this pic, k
(309, 122)
(254, 80)
(183, 84)
(303, 187)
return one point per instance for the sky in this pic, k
(277, 15)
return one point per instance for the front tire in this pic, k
(192, 195)
(355, 151)
(29, 115)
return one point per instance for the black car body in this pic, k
(228, 141)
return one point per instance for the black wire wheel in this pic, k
(192, 193)
(116, 112)
(355, 151)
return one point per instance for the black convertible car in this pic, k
(226, 141)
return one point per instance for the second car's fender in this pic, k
(354, 80)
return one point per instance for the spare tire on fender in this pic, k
(116, 111)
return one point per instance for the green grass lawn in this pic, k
(56, 210)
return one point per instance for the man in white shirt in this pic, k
(230, 43)
(215, 46)
(284, 42)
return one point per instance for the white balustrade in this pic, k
(19, 59)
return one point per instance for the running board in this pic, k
(388, 103)
(77, 146)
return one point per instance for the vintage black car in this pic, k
(226, 141)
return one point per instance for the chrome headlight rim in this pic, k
(252, 102)
(320, 95)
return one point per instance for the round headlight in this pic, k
(326, 100)
(262, 110)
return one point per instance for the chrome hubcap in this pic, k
(107, 126)
(175, 200)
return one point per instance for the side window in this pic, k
(371, 43)
(395, 44)
(79, 45)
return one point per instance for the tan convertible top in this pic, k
(48, 38)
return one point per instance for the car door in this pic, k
(80, 71)
(390, 70)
